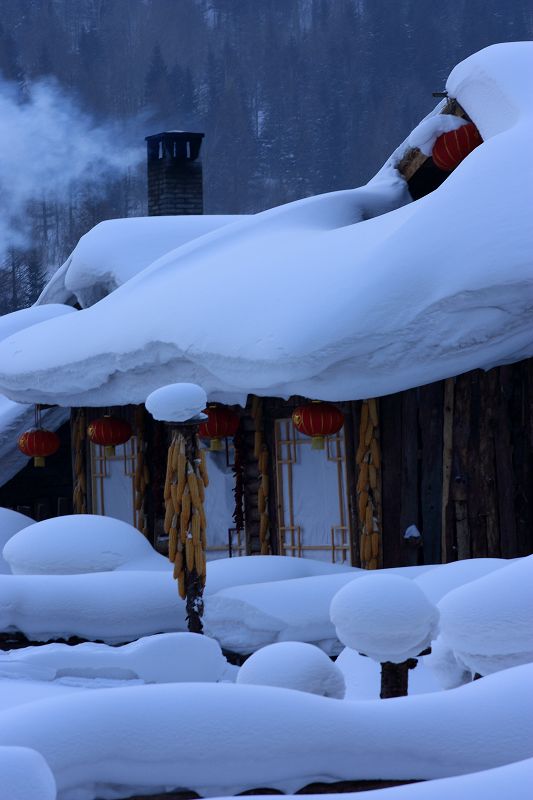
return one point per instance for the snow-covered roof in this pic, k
(342, 296)
(117, 249)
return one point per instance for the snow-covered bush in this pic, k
(78, 543)
(11, 522)
(294, 665)
(488, 623)
(25, 775)
(385, 617)
(176, 402)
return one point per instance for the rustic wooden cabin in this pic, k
(435, 473)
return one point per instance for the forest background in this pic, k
(296, 97)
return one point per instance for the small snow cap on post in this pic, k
(294, 665)
(182, 404)
(177, 402)
(389, 619)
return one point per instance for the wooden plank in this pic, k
(391, 459)
(409, 486)
(475, 495)
(522, 443)
(459, 482)
(431, 416)
(487, 461)
(351, 442)
(504, 465)
(447, 541)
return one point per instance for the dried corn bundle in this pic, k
(185, 520)
(368, 458)
(261, 454)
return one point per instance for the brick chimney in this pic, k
(174, 173)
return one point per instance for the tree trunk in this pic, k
(395, 678)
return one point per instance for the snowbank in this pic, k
(25, 775)
(413, 325)
(78, 543)
(113, 607)
(246, 617)
(11, 522)
(362, 676)
(513, 780)
(117, 249)
(166, 658)
(294, 665)
(435, 583)
(207, 737)
(385, 617)
(487, 623)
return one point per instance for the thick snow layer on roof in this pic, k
(487, 623)
(353, 294)
(206, 737)
(385, 617)
(117, 249)
(513, 780)
(435, 583)
(25, 775)
(165, 658)
(293, 665)
(26, 317)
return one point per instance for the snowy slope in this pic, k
(400, 294)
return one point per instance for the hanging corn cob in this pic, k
(262, 455)
(368, 459)
(142, 473)
(78, 428)
(185, 520)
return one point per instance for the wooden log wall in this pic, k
(457, 462)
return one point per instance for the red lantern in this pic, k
(39, 443)
(109, 432)
(222, 422)
(318, 420)
(452, 147)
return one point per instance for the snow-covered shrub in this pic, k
(176, 402)
(11, 522)
(385, 617)
(78, 543)
(488, 623)
(25, 775)
(294, 665)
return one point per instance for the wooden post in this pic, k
(395, 678)
(447, 455)
(431, 445)
(194, 583)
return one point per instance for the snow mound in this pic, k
(11, 522)
(444, 665)
(165, 658)
(362, 676)
(437, 582)
(116, 743)
(294, 665)
(487, 623)
(26, 317)
(25, 775)
(112, 607)
(490, 784)
(77, 543)
(176, 402)
(385, 617)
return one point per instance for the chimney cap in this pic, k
(174, 145)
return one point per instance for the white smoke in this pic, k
(48, 147)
